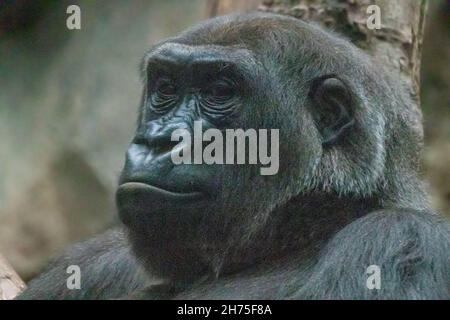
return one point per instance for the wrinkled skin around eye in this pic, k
(163, 95)
(220, 98)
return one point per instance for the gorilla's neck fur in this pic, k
(310, 219)
(297, 229)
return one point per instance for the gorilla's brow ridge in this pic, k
(175, 53)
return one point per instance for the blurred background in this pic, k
(68, 106)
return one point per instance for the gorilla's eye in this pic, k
(165, 87)
(220, 91)
(163, 94)
(220, 99)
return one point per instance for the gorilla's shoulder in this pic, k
(107, 267)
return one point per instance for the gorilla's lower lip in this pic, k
(143, 188)
(136, 201)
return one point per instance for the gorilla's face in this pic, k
(186, 86)
(187, 206)
(190, 215)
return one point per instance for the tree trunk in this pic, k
(10, 283)
(397, 44)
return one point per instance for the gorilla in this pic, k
(347, 197)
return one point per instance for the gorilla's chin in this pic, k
(164, 227)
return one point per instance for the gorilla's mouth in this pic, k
(137, 201)
(155, 193)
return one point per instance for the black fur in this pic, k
(108, 271)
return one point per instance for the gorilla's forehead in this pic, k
(260, 42)
(267, 35)
(246, 30)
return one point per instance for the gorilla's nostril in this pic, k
(163, 149)
(138, 139)
(160, 142)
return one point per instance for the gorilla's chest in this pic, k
(267, 285)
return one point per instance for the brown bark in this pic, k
(397, 44)
(10, 283)
(220, 7)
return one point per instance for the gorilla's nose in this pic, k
(158, 136)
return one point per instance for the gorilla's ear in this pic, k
(332, 108)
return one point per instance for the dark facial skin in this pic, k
(184, 84)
